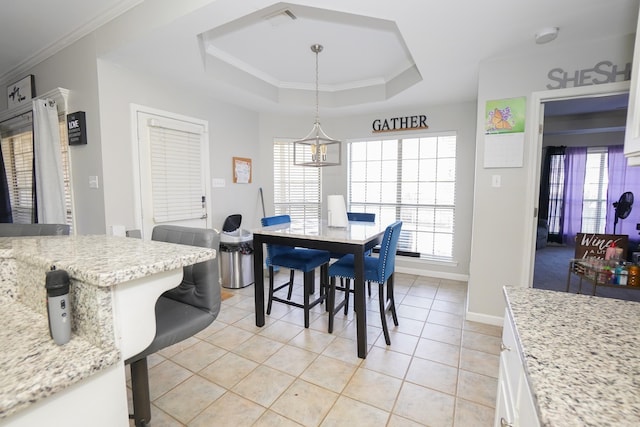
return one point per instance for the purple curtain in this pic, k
(622, 178)
(575, 162)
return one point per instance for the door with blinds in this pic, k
(174, 164)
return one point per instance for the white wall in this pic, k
(503, 226)
(74, 68)
(233, 131)
(459, 118)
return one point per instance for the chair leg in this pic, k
(270, 290)
(331, 302)
(140, 392)
(309, 278)
(324, 281)
(391, 298)
(369, 288)
(290, 284)
(347, 291)
(383, 315)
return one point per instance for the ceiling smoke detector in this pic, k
(546, 35)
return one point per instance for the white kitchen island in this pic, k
(115, 282)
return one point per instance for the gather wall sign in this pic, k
(395, 124)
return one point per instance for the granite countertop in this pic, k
(104, 260)
(581, 355)
(33, 366)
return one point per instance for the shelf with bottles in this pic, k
(608, 273)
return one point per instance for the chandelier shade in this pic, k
(317, 149)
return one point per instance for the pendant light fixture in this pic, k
(317, 148)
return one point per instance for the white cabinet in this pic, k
(515, 405)
(632, 135)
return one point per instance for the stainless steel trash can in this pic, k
(236, 259)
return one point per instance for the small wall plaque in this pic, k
(21, 92)
(77, 128)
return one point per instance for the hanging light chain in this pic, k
(317, 48)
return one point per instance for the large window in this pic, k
(594, 201)
(594, 193)
(296, 188)
(17, 152)
(412, 180)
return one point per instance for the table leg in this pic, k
(258, 279)
(360, 305)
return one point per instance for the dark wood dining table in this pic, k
(356, 238)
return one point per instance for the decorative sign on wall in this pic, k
(241, 170)
(395, 124)
(590, 245)
(21, 92)
(504, 133)
(602, 72)
(77, 128)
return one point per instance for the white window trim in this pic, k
(135, 109)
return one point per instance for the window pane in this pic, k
(447, 147)
(428, 148)
(410, 170)
(427, 193)
(374, 150)
(428, 169)
(446, 170)
(388, 192)
(445, 193)
(389, 170)
(411, 148)
(390, 149)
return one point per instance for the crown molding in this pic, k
(72, 37)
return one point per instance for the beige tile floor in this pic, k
(440, 369)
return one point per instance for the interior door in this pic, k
(173, 167)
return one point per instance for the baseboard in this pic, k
(484, 318)
(433, 273)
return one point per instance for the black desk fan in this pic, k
(622, 208)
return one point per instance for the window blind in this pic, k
(176, 172)
(297, 189)
(412, 180)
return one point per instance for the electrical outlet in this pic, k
(93, 181)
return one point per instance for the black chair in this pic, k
(376, 269)
(181, 312)
(305, 260)
(15, 230)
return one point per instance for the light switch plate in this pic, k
(93, 181)
(218, 182)
(496, 181)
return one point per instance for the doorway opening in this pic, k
(592, 127)
(556, 112)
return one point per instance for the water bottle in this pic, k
(58, 307)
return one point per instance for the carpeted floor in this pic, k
(551, 270)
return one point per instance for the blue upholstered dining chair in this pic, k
(362, 217)
(305, 260)
(376, 269)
